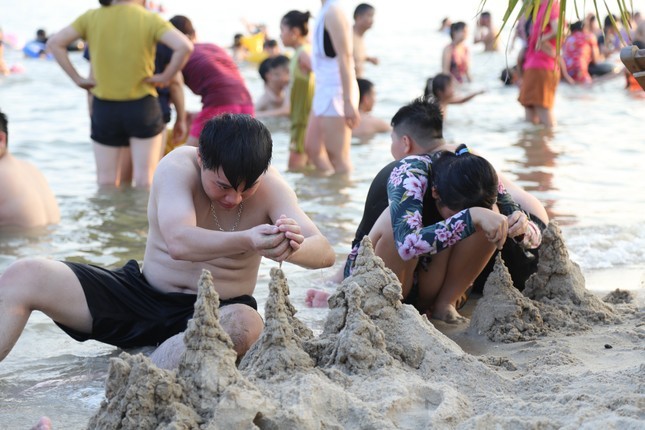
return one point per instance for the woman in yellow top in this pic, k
(293, 32)
(126, 116)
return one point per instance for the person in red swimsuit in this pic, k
(212, 74)
(456, 57)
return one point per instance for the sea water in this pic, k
(588, 172)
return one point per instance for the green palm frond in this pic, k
(531, 6)
(631, 57)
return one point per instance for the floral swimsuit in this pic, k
(406, 189)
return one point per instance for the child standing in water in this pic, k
(294, 29)
(456, 57)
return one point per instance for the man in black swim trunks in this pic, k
(219, 207)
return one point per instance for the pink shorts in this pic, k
(211, 111)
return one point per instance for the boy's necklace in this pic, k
(237, 221)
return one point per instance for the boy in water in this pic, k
(25, 197)
(486, 33)
(274, 101)
(369, 124)
(219, 207)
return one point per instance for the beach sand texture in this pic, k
(379, 364)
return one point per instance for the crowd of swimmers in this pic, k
(437, 215)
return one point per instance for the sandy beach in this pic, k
(379, 364)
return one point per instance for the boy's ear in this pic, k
(200, 163)
(408, 144)
(3, 142)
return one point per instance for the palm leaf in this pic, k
(532, 5)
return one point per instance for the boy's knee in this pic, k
(18, 280)
(24, 269)
(243, 324)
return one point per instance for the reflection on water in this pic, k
(535, 170)
(115, 220)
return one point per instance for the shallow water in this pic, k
(588, 173)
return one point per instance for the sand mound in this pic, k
(377, 364)
(558, 289)
(503, 314)
(619, 297)
(207, 388)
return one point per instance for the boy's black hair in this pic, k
(364, 86)
(608, 23)
(507, 76)
(576, 26)
(240, 144)
(362, 9)
(4, 126)
(464, 180)
(183, 24)
(455, 27)
(271, 63)
(264, 68)
(421, 119)
(280, 61)
(297, 19)
(270, 43)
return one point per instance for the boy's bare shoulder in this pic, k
(179, 158)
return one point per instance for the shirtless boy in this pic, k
(274, 71)
(219, 207)
(25, 197)
(369, 124)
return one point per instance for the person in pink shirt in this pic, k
(580, 50)
(212, 74)
(541, 72)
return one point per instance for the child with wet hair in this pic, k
(275, 74)
(442, 88)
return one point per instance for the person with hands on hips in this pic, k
(126, 116)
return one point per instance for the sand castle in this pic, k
(554, 298)
(503, 314)
(558, 289)
(289, 379)
(377, 364)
